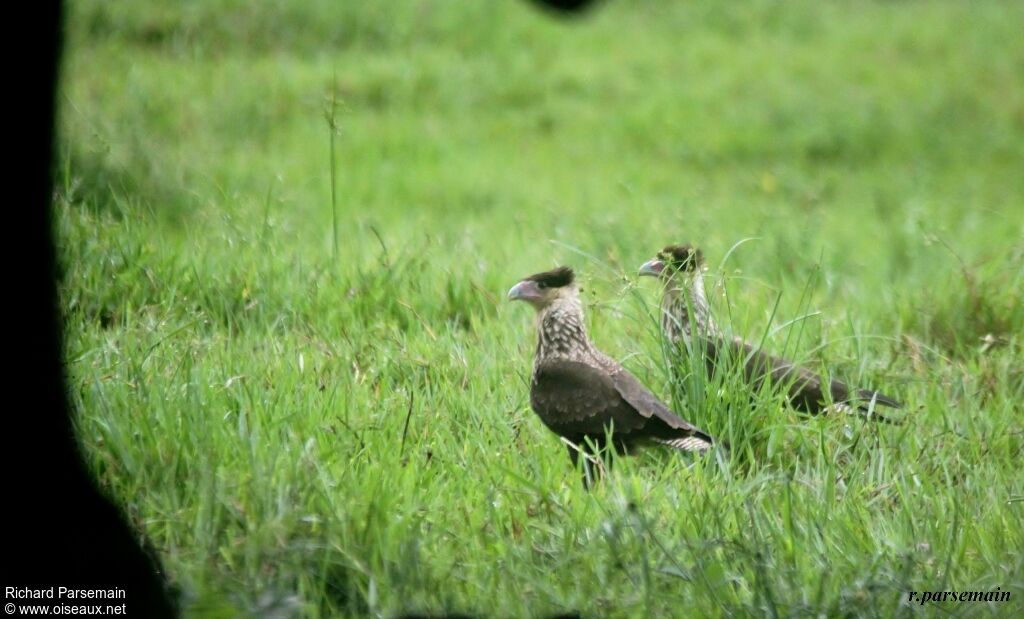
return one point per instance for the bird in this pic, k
(584, 396)
(686, 319)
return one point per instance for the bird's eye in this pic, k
(542, 285)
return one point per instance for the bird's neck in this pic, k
(561, 332)
(685, 308)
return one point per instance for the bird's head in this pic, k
(542, 289)
(685, 259)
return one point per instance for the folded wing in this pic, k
(577, 400)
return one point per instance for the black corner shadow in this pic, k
(565, 7)
(61, 531)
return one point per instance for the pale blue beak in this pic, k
(652, 268)
(525, 290)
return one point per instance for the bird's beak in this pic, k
(525, 290)
(652, 268)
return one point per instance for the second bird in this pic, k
(686, 317)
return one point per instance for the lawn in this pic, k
(287, 230)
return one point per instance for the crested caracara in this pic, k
(583, 395)
(686, 321)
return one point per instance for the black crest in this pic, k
(682, 257)
(555, 278)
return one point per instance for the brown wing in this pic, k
(725, 354)
(576, 400)
(646, 403)
(804, 386)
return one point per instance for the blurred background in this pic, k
(853, 134)
(280, 219)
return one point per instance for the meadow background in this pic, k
(287, 230)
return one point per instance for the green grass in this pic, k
(320, 427)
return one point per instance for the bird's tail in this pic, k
(687, 443)
(867, 396)
(867, 406)
(697, 442)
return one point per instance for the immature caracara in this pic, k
(579, 392)
(685, 313)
